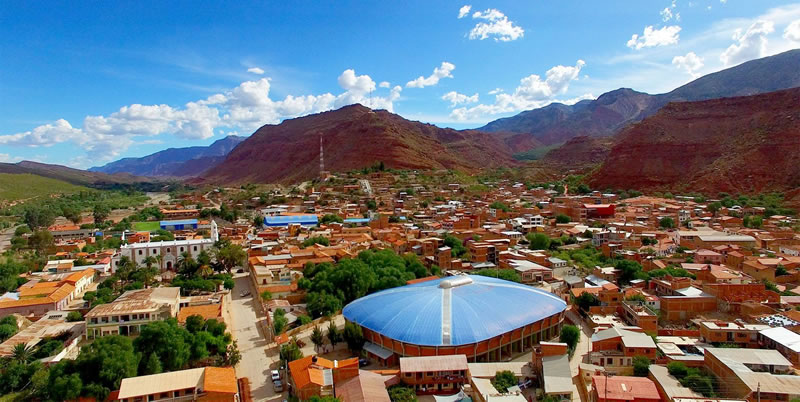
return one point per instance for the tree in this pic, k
(677, 369)
(317, 338)
(456, 245)
(666, 223)
(538, 241)
(279, 322)
(641, 366)
(304, 319)
(266, 296)
(780, 270)
(290, 352)
(22, 353)
(316, 240)
(258, 221)
(504, 379)
(714, 207)
(500, 206)
(331, 218)
(561, 218)
(586, 300)
(402, 393)
(41, 241)
(72, 213)
(100, 213)
(630, 270)
(73, 316)
(195, 323)
(570, 335)
(153, 365)
(8, 327)
(38, 217)
(326, 398)
(353, 337)
(106, 361)
(232, 355)
(228, 255)
(170, 342)
(334, 336)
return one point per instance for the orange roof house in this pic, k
(315, 376)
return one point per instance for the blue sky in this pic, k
(83, 83)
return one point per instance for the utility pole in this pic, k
(758, 393)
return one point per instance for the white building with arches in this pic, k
(166, 253)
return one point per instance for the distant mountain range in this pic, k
(734, 130)
(356, 136)
(174, 162)
(741, 144)
(71, 175)
(612, 111)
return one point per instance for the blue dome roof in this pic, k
(456, 310)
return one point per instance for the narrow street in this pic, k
(255, 364)
(581, 349)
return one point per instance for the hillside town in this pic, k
(400, 285)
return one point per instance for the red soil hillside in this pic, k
(355, 137)
(742, 144)
(579, 153)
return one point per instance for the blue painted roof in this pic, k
(356, 220)
(479, 310)
(178, 222)
(284, 220)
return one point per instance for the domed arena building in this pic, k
(486, 319)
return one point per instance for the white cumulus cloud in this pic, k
(456, 98)
(246, 107)
(497, 26)
(255, 70)
(443, 71)
(651, 37)
(792, 31)
(749, 44)
(384, 84)
(463, 11)
(532, 92)
(691, 63)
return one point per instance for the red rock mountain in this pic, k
(740, 144)
(354, 137)
(579, 153)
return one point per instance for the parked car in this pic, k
(240, 270)
(363, 362)
(276, 375)
(277, 386)
(245, 293)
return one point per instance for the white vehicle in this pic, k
(276, 375)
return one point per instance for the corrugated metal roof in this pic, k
(479, 310)
(284, 220)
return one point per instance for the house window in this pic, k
(168, 249)
(154, 251)
(195, 248)
(140, 252)
(181, 249)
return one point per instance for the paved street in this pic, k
(581, 349)
(255, 364)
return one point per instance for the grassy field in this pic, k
(14, 187)
(146, 226)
